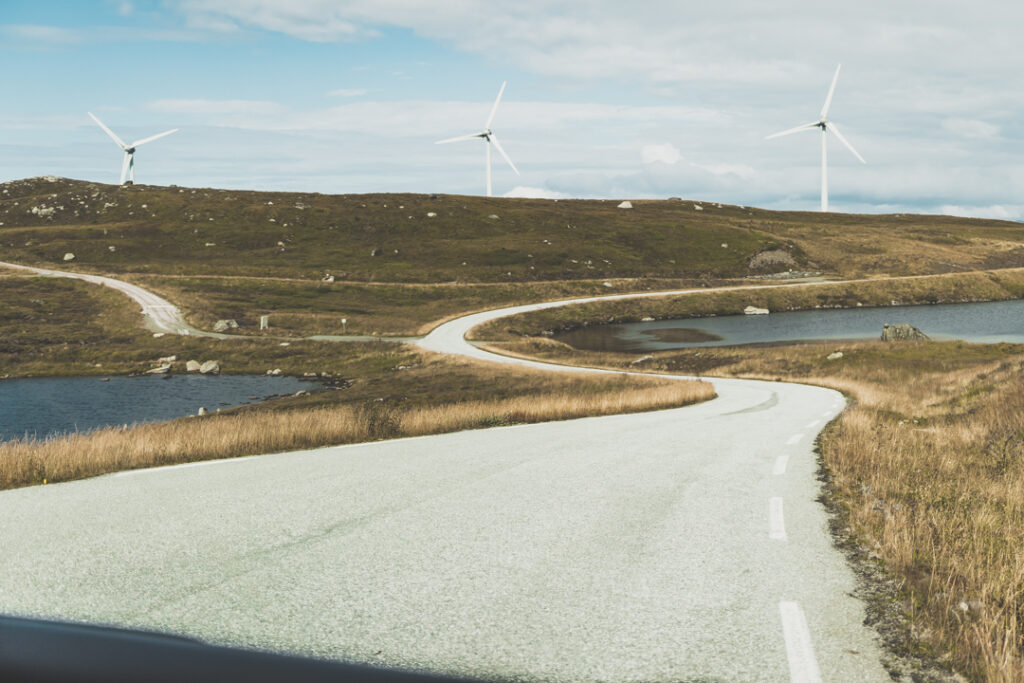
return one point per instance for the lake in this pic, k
(990, 322)
(42, 407)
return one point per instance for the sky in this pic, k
(605, 99)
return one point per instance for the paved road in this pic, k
(675, 545)
(160, 314)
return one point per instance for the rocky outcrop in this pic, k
(754, 310)
(193, 366)
(225, 325)
(210, 367)
(626, 205)
(902, 332)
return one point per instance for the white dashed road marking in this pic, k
(793, 439)
(780, 465)
(803, 667)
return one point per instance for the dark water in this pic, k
(44, 406)
(998, 321)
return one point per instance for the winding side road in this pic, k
(684, 544)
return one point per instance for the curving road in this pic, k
(683, 544)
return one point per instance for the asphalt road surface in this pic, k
(683, 544)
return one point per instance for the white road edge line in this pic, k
(793, 439)
(803, 667)
(827, 413)
(780, 465)
(776, 520)
(812, 425)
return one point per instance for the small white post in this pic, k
(264, 322)
(344, 325)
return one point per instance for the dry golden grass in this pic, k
(229, 435)
(927, 466)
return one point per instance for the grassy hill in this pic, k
(443, 238)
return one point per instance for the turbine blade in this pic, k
(461, 137)
(494, 109)
(832, 127)
(497, 145)
(832, 89)
(124, 166)
(109, 132)
(154, 137)
(806, 126)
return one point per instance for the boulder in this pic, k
(193, 366)
(275, 372)
(754, 310)
(167, 360)
(626, 205)
(162, 370)
(69, 256)
(902, 332)
(835, 355)
(376, 251)
(225, 325)
(202, 411)
(210, 367)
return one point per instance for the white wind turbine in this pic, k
(489, 137)
(128, 166)
(825, 125)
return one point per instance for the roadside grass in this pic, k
(544, 396)
(394, 238)
(949, 288)
(925, 469)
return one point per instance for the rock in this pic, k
(902, 332)
(835, 355)
(626, 205)
(157, 335)
(302, 393)
(193, 366)
(641, 359)
(754, 310)
(225, 325)
(202, 411)
(210, 367)
(647, 319)
(698, 207)
(376, 251)
(162, 370)
(327, 278)
(167, 360)
(606, 284)
(112, 248)
(431, 214)
(69, 256)
(493, 216)
(275, 372)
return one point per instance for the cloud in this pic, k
(997, 211)
(971, 129)
(522, 191)
(318, 21)
(665, 153)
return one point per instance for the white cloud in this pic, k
(971, 128)
(997, 211)
(522, 191)
(665, 153)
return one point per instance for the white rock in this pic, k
(431, 214)
(167, 360)
(157, 335)
(754, 310)
(698, 207)
(626, 205)
(641, 359)
(69, 256)
(275, 372)
(112, 248)
(647, 319)
(606, 284)
(835, 355)
(202, 411)
(210, 367)
(162, 370)
(193, 366)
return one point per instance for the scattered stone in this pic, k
(376, 251)
(193, 366)
(285, 344)
(698, 207)
(626, 205)
(835, 355)
(275, 372)
(725, 245)
(771, 259)
(647, 319)
(225, 325)
(210, 367)
(69, 256)
(280, 243)
(431, 214)
(606, 284)
(157, 335)
(493, 216)
(112, 248)
(902, 332)
(166, 360)
(328, 278)
(211, 244)
(162, 370)
(202, 411)
(302, 393)
(754, 310)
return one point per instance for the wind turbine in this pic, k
(489, 137)
(128, 166)
(825, 125)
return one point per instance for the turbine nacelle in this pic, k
(128, 166)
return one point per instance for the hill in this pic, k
(444, 238)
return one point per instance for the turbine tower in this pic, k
(825, 125)
(489, 137)
(128, 166)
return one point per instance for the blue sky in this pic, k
(605, 99)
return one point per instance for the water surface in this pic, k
(42, 407)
